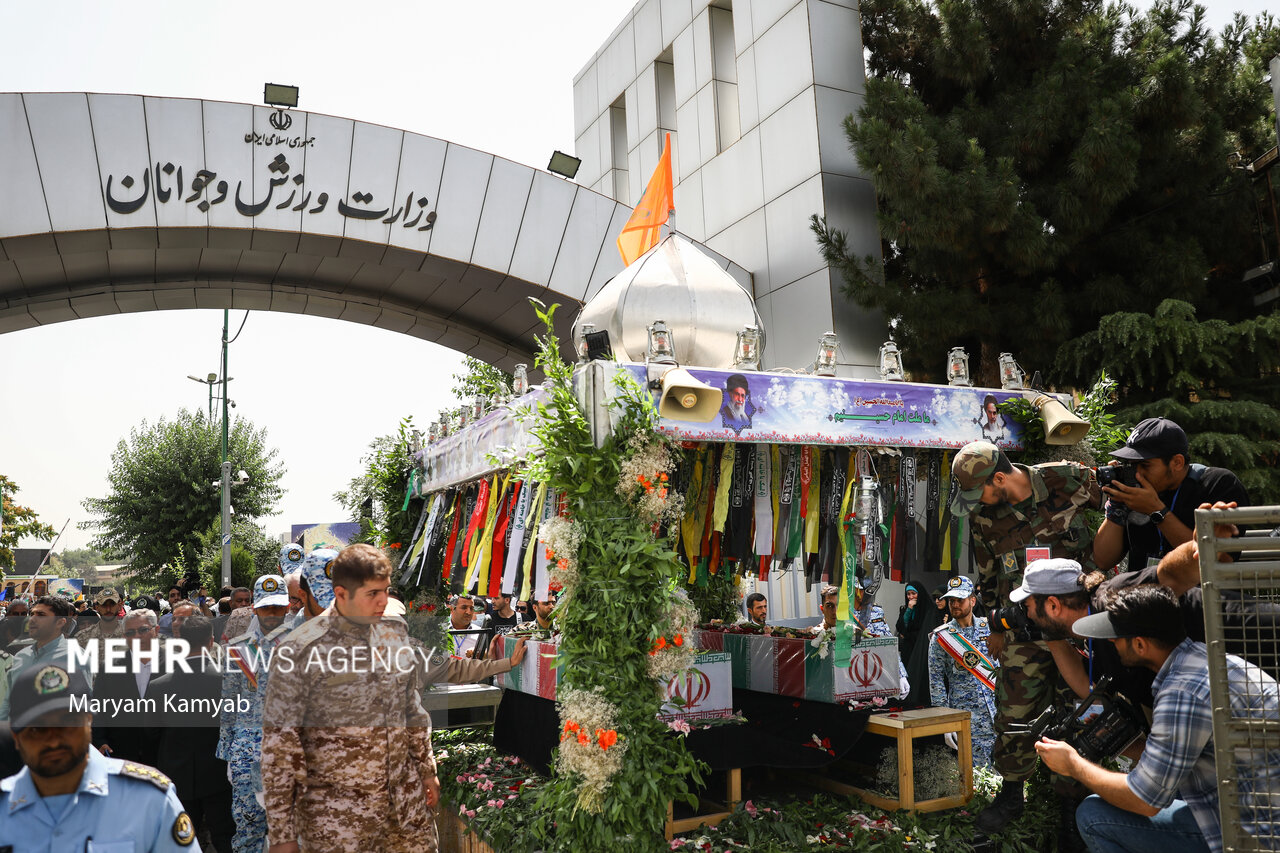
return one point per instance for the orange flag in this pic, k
(642, 231)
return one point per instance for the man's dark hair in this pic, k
(1078, 600)
(988, 400)
(225, 592)
(827, 592)
(1150, 611)
(197, 630)
(753, 598)
(60, 606)
(454, 601)
(224, 605)
(180, 590)
(241, 589)
(737, 380)
(358, 564)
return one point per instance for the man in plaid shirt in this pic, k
(1168, 802)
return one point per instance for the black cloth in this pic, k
(917, 663)
(1201, 485)
(502, 624)
(130, 731)
(779, 732)
(908, 625)
(219, 626)
(187, 740)
(1250, 624)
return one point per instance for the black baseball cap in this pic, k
(43, 690)
(1154, 438)
(1109, 626)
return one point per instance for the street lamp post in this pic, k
(226, 466)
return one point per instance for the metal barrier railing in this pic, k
(1241, 596)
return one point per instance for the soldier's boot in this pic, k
(1007, 806)
(1069, 840)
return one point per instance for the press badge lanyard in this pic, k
(1172, 504)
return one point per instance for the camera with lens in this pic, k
(1100, 727)
(1126, 474)
(1011, 618)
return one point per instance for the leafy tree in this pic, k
(253, 553)
(160, 498)
(377, 497)
(18, 523)
(81, 559)
(1219, 381)
(1042, 163)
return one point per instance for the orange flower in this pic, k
(663, 477)
(583, 739)
(679, 640)
(662, 493)
(562, 564)
(661, 643)
(571, 726)
(607, 738)
(551, 555)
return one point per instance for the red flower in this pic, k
(678, 640)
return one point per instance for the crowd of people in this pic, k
(298, 753)
(319, 739)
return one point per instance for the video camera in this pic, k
(1101, 726)
(1126, 474)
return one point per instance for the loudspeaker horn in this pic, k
(687, 399)
(1060, 425)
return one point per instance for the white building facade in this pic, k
(754, 94)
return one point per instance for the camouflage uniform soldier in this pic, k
(240, 738)
(108, 627)
(347, 761)
(959, 679)
(1022, 513)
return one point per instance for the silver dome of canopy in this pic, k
(702, 305)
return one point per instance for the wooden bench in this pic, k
(904, 727)
(719, 811)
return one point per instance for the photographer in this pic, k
(1169, 800)
(1020, 513)
(1154, 495)
(1057, 593)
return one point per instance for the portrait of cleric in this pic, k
(737, 410)
(992, 422)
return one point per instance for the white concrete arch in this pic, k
(123, 203)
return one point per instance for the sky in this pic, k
(495, 75)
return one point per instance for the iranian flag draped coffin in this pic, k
(797, 667)
(701, 692)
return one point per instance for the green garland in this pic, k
(612, 618)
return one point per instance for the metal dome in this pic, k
(702, 305)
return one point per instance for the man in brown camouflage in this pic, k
(346, 754)
(1020, 513)
(109, 625)
(344, 787)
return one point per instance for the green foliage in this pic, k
(19, 522)
(1219, 381)
(160, 500)
(253, 553)
(1042, 163)
(1105, 434)
(625, 572)
(376, 497)
(480, 379)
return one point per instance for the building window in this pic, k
(618, 147)
(724, 76)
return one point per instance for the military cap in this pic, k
(270, 591)
(105, 595)
(43, 690)
(974, 463)
(317, 569)
(291, 557)
(958, 587)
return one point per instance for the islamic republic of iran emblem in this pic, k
(51, 679)
(183, 832)
(270, 585)
(953, 583)
(971, 659)
(295, 554)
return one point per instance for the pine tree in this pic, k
(1042, 163)
(1219, 381)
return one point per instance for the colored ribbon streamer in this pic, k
(968, 656)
